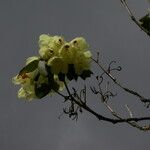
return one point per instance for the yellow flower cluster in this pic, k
(56, 54)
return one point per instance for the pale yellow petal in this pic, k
(46, 52)
(58, 65)
(79, 43)
(87, 54)
(44, 40)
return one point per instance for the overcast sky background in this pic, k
(106, 26)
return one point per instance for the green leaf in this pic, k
(145, 22)
(36, 75)
(54, 86)
(41, 90)
(85, 74)
(50, 75)
(30, 67)
(61, 76)
(71, 72)
(52, 83)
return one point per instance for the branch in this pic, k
(83, 105)
(132, 121)
(133, 18)
(142, 98)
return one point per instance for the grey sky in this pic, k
(107, 27)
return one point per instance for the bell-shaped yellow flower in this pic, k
(44, 40)
(58, 65)
(79, 43)
(82, 62)
(27, 87)
(69, 58)
(66, 53)
(50, 45)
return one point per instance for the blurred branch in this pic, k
(133, 18)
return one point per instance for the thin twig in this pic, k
(100, 117)
(142, 98)
(130, 112)
(131, 121)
